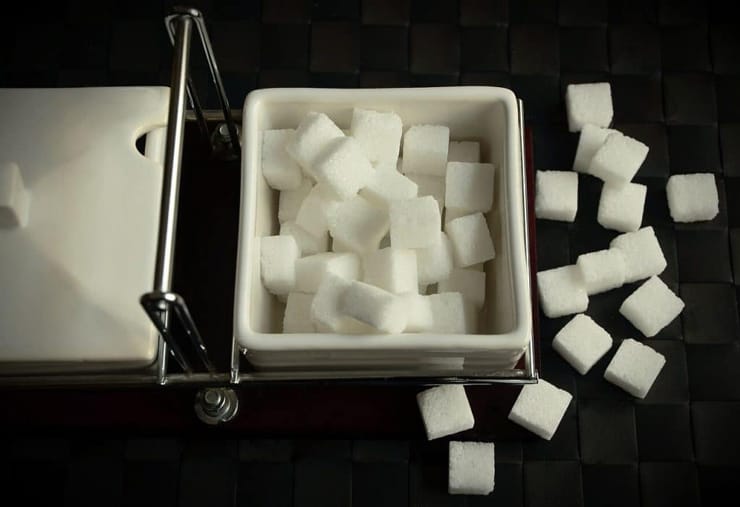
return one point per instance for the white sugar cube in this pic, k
(425, 149)
(445, 410)
(291, 200)
(463, 151)
(469, 186)
(325, 313)
(453, 213)
(14, 198)
(278, 256)
(471, 468)
(651, 307)
(618, 159)
(556, 196)
(342, 168)
(452, 314)
(692, 197)
(435, 262)
(562, 291)
(309, 271)
(588, 103)
(634, 367)
(591, 139)
(471, 240)
(642, 254)
(471, 284)
(378, 134)
(602, 270)
(392, 269)
(374, 306)
(314, 134)
(297, 317)
(430, 185)
(418, 308)
(415, 223)
(316, 211)
(278, 167)
(540, 407)
(621, 206)
(358, 225)
(388, 185)
(307, 242)
(582, 342)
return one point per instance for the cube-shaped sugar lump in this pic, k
(309, 271)
(634, 367)
(471, 240)
(469, 186)
(388, 185)
(692, 197)
(445, 410)
(591, 139)
(279, 169)
(540, 407)
(471, 468)
(378, 134)
(374, 306)
(415, 223)
(582, 342)
(621, 206)
(317, 210)
(430, 185)
(14, 198)
(556, 196)
(588, 103)
(278, 256)
(471, 284)
(452, 314)
(342, 168)
(308, 244)
(642, 254)
(463, 151)
(290, 201)
(602, 270)
(325, 308)
(618, 159)
(425, 149)
(297, 317)
(359, 225)
(435, 262)
(651, 307)
(418, 308)
(313, 135)
(562, 291)
(392, 269)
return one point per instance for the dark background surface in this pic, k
(674, 68)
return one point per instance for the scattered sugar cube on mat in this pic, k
(582, 342)
(602, 270)
(309, 271)
(415, 223)
(471, 284)
(471, 468)
(556, 196)
(651, 307)
(434, 263)
(452, 314)
(374, 306)
(316, 210)
(471, 240)
(562, 291)
(325, 312)
(308, 244)
(621, 206)
(278, 167)
(469, 186)
(359, 225)
(430, 185)
(378, 133)
(618, 159)
(278, 256)
(463, 151)
(692, 197)
(540, 407)
(642, 254)
(445, 410)
(418, 310)
(297, 317)
(392, 269)
(290, 201)
(591, 139)
(388, 185)
(588, 103)
(311, 138)
(342, 168)
(634, 367)
(425, 149)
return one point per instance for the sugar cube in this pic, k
(562, 291)
(325, 313)
(452, 314)
(463, 151)
(430, 185)
(388, 185)
(582, 342)
(621, 206)
(618, 159)
(471, 284)
(307, 242)
(540, 407)
(278, 255)
(453, 213)
(415, 223)
(359, 225)
(425, 149)
(418, 308)
(471, 468)
(309, 271)
(278, 167)
(316, 211)
(290, 201)
(634, 367)
(556, 196)
(374, 306)
(471, 240)
(342, 168)
(602, 270)
(445, 410)
(588, 103)
(469, 186)
(297, 317)
(435, 262)
(692, 197)
(642, 254)
(378, 134)
(311, 138)
(392, 269)
(591, 139)
(651, 307)
(14, 197)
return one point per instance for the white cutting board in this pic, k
(70, 280)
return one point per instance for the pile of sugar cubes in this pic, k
(362, 248)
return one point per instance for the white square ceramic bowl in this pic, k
(486, 114)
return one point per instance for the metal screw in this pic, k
(216, 405)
